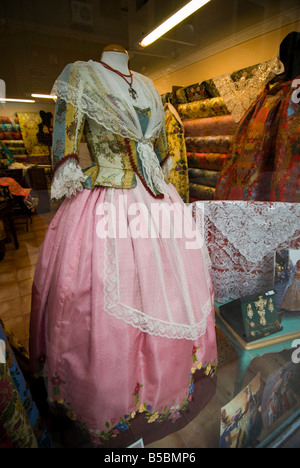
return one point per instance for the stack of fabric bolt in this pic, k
(11, 136)
(209, 130)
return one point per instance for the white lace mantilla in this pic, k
(242, 238)
(239, 95)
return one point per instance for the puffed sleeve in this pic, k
(67, 133)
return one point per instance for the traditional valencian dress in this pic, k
(121, 316)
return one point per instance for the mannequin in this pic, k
(116, 323)
(116, 57)
(289, 53)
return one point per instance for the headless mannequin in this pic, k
(289, 54)
(116, 57)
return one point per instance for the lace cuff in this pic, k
(67, 179)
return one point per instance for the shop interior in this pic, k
(209, 71)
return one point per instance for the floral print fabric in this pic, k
(29, 122)
(264, 164)
(177, 150)
(20, 422)
(14, 187)
(212, 126)
(209, 161)
(203, 109)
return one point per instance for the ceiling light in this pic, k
(44, 96)
(15, 100)
(181, 15)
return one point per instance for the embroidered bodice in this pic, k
(115, 159)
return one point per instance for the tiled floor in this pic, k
(16, 276)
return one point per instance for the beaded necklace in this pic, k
(131, 90)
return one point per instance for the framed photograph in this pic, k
(241, 419)
(138, 444)
(281, 396)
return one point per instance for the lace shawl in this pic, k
(238, 93)
(242, 238)
(87, 86)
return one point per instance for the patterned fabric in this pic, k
(20, 422)
(197, 91)
(264, 164)
(114, 158)
(10, 136)
(210, 144)
(13, 143)
(14, 187)
(212, 126)
(201, 192)
(177, 150)
(202, 109)
(4, 120)
(88, 104)
(203, 177)
(9, 127)
(29, 122)
(209, 161)
(13, 147)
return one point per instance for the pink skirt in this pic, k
(122, 309)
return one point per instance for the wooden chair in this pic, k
(6, 212)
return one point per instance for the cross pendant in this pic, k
(132, 93)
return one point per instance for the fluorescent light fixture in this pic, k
(44, 96)
(181, 15)
(15, 100)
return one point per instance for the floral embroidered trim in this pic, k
(171, 414)
(63, 160)
(42, 361)
(57, 382)
(136, 393)
(115, 427)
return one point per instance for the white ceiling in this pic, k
(38, 37)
